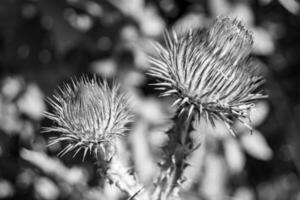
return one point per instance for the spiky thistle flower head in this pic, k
(209, 72)
(89, 115)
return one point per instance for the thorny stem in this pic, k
(177, 150)
(116, 173)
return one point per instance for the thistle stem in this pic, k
(118, 174)
(177, 150)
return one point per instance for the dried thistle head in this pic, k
(209, 72)
(89, 115)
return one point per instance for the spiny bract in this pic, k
(209, 72)
(89, 115)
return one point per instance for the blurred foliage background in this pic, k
(45, 42)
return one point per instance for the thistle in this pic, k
(89, 116)
(209, 72)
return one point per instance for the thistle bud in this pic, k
(89, 116)
(209, 72)
(229, 39)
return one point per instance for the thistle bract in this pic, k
(209, 72)
(89, 115)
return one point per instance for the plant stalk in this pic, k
(118, 174)
(177, 150)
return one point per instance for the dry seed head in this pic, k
(89, 115)
(209, 72)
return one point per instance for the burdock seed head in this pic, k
(89, 115)
(209, 72)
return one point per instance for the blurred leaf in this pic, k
(140, 138)
(147, 16)
(54, 167)
(291, 5)
(243, 12)
(263, 42)
(234, 155)
(6, 189)
(9, 117)
(25, 178)
(129, 6)
(244, 193)
(259, 113)
(256, 146)
(238, 9)
(190, 21)
(11, 87)
(46, 189)
(151, 23)
(219, 7)
(77, 175)
(214, 180)
(152, 111)
(219, 131)
(106, 68)
(32, 102)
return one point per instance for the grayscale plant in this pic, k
(209, 72)
(211, 76)
(89, 116)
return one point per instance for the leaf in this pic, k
(291, 5)
(234, 155)
(244, 193)
(256, 146)
(46, 189)
(215, 177)
(259, 113)
(189, 21)
(263, 42)
(31, 103)
(104, 67)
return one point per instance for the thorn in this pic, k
(67, 150)
(201, 108)
(181, 111)
(161, 84)
(135, 194)
(190, 111)
(231, 130)
(210, 119)
(246, 124)
(186, 165)
(90, 147)
(175, 103)
(62, 151)
(84, 154)
(173, 159)
(195, 147)
(160, 88)
(77, 151)
(182, 180)
(186, 99)
(168, 92)
(53, 142)
(96, 152)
